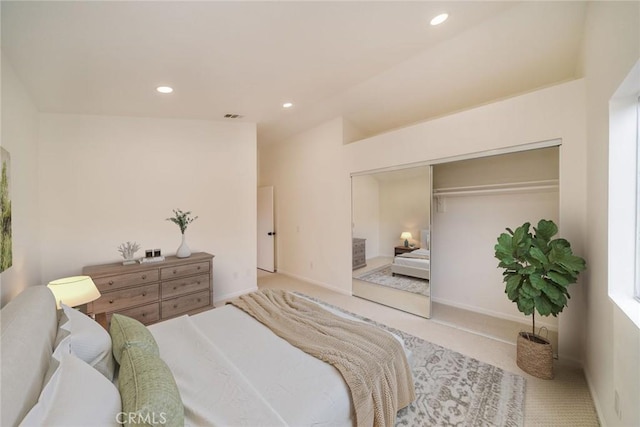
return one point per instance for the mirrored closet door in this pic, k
(391, 235)
(457, 209)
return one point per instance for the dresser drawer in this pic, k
(184, 270)
(146, 314)
(176, 306)
(118, 300)
(187, 285)
(109, 283)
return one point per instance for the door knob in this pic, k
(271, 233)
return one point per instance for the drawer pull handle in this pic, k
(199, 299)
(144, 294)
(198, 282)
(199, 267)
(144, 314)
(110, 301)
(110, 282)
(175, 305)
(175, 271)
(175, 287)
(144, 277)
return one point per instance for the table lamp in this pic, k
(74, 291)
(406, 236)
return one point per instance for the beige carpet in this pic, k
(493, 327)
(563, 401)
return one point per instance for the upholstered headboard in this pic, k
(29, 326)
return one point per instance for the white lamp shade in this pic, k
(74, 291)
(405, 235)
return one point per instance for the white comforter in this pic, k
(233, 371)
(417, 259)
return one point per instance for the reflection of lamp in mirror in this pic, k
(74, 291)
(406, 236)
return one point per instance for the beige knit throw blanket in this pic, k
(372, 362)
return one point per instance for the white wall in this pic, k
(108, 180)
(404, 206)
(611, 47)
(365, 196)
(463, 240)
(19, 137)
(312, 204)
(527, 166)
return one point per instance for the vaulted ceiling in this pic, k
(379, 64)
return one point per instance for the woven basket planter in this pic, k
(534, 355)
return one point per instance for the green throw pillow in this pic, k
(126, 332)
(149, 393)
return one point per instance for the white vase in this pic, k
(183, 250)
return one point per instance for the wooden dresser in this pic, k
(358, 257)
(151, 292)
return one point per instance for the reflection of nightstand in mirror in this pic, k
(403, 249)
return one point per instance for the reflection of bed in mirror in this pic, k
(415, 263)
(385, 204)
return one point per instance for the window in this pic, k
(637, 278)
(624, 196)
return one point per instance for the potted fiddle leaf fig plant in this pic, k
(537, 272)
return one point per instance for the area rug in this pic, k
(453, 389)
(383, 276)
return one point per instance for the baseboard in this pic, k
(315, 282)
(569, 361)
(594, 397)
(491, 313)
(232, 295)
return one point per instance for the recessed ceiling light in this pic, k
(164, 89)
(287, 105)
(439, 19)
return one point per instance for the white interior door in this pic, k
(266, 233)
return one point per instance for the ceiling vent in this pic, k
(232, 116)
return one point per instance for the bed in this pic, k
(219, 367)
(416, 263)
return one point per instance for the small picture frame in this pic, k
(148, 253)
(157, 252)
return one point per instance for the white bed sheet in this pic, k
(214, 391)
(425, 264)
(292, 385)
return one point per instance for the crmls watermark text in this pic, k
(138, 418)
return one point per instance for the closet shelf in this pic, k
(490, 189)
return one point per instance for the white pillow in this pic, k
(76, 395)
(88, 341)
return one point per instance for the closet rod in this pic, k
(516, 187)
